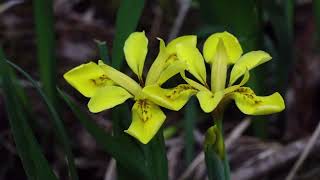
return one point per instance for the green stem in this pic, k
(218, 118)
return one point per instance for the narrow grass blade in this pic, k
(127, 20)
(43, 15)
(189, 126)
(103, 51)
(57, 122)
(33, 161)
(121, 147)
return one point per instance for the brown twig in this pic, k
(271, 160)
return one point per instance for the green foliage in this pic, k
(57, 122)
(33, 160)
(127, 20)
(189, 126)
(44, 28)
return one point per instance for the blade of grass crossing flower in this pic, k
(103, 51)
(57, 122)
(127, 20)
(189, 126)
(122, 148)
(33, 161)
(43, 15)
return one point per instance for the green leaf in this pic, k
(122, 147)
(103, 51)
(215, 166)
(189, 126)
(156, 157)
(43, 16)
(57, 122)
(127, 20)
(33, 160)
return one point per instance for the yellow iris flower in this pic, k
(222, 50)
(107, 87)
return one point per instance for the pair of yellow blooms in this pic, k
(107, 87)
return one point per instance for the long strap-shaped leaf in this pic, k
(34, 162)
(127, 20)
(59, 127)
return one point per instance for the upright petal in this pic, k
(219, 67)
(158, 65)
(135, 51)
(107, 97)
(194, 60)
(189, 40)
(121, 79)
(147, 118)
(248, 61)
(87, 78)
(173, 99)
(231, 43)
(171, 70)
(208, 100)
(250, 104)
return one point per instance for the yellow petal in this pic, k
(173, 99)
(231, 43)
(209, 101)
(135, 51)
(121, 79)
(194, 60)
(248, 61)
(244, 80)
(193, 83)
(171, 70)
(147, 118)
(107, 97)
(87, 78)
(219, 68)
(250, 104)
(158, 65)
(189, 40)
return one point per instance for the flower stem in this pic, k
(219, 148)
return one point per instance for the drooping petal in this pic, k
(231, 43)
(194, 60)
(248, 61)
(193, 83)
(189, 40)
(107, 97)
(87, 78)
(135, 51)
(121, 79)
(251, 104)
(158, 65)
(173, 99)
(208, 100)
(147, 118)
